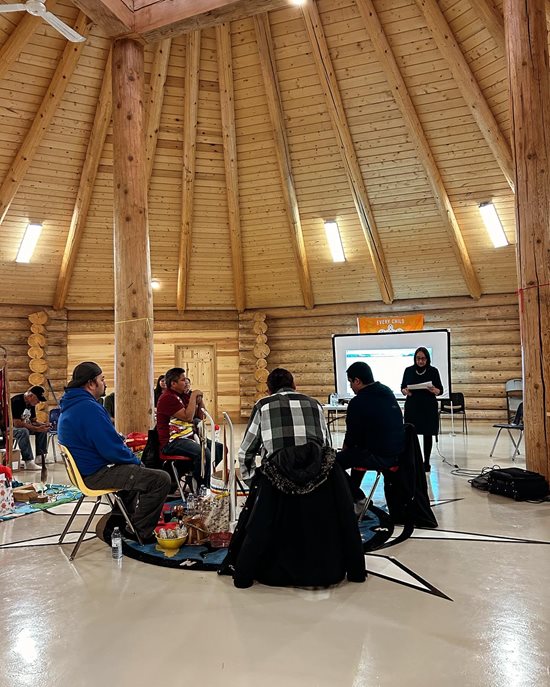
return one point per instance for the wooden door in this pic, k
(199, 363)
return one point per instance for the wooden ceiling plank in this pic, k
(169, 19)
(492, 19)
(86, 186)
(159, 70)
(468, 86)
(387, 59)
(340, 126)
(43, 117)
(17, 40)
(225, 68)
(275, 106)
(191, 106)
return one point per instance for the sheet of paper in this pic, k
(415, 387)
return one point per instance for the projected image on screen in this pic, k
(387, 365)
(388, 354)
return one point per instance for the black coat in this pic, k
(305, 540)
(421, 405)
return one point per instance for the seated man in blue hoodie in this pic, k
(103, 459)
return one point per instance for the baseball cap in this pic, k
(84, 373)
(38, 391)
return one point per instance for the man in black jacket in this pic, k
(375, 434)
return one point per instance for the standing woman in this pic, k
(421, 404)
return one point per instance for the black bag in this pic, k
(150, 456)
(481, 481)
(518, 484)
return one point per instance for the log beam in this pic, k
(341, 130)
(190, 119)
(43, 118)
(276, 115)
(159, 70)
(113, 17)
(527, 52)
(225, 70)
(468, 86)
(395, 79)
(133, 294)
(86, 186)
(17, 40)
(159, 20)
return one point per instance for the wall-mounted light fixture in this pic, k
(155, 284)
(493, 225)
(28, 243)
(334, 241)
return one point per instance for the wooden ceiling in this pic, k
(390, 116)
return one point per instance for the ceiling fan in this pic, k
(38, 9)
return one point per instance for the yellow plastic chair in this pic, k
(76, 480)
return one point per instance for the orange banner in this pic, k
(399, 323)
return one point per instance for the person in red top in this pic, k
(175, 423)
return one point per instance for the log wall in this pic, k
(15, 330)
(91, 337)
(485, 346)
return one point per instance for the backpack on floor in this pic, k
(518, 484)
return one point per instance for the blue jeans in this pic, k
(22, 434)
(190, 448)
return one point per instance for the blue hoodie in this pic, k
(85, 428)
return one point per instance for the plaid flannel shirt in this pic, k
(283, 419)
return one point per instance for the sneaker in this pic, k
(49, 460)
(31, 465)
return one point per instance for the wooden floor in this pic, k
(464, 605)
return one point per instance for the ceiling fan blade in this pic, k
(70, 34)
(18, 7)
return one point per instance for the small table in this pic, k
(334, 413)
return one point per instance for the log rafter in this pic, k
(468, 86)
(86, 186)
(403, 99)
(275, 106)
(191, 104)
(225, 69)
(17, 40)
(159, 71)
(341, 130)
(43, 118)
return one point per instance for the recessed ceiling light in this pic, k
(28, 243)
(493, 225)
(334, 241)
(155, 284)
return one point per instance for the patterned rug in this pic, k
(376, 528)
(57, 494)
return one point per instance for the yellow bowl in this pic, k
(171, 543)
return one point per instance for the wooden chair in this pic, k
(77, 481)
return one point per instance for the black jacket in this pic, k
(297, 539)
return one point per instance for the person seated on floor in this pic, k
(375, 433)
(102, 458)
(175, 424)
(298, 526)
(26, 425)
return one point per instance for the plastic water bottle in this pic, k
(334, 399)
(116, 544)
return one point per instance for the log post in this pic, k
(133, 295)
(527, 54)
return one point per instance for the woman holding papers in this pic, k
(421, 384)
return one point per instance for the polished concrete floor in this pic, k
(463, 611)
